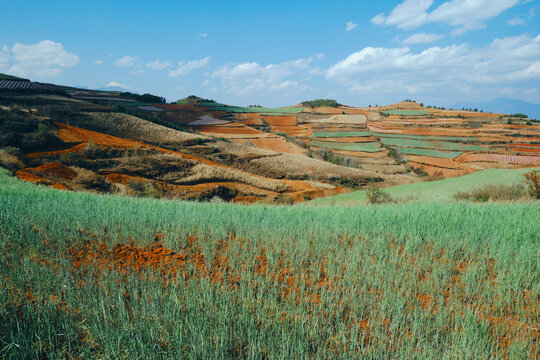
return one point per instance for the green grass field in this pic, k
(367, 147)
(420, 280)
(435, 190)
(343, 134)
(406, 112)
(440, 145)
(429, 152)
(426, 137)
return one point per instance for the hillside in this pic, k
(125, 143)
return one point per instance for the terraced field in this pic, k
(365, 147)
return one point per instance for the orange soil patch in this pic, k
(54, 169)
(526, 149)
(293, 130)
(439, 171)
(279, 145)
(26, 176)
(352, 139)
(376, 155)
(280, 120)
(491, 139)
(526, 145)
(250, 118)
(466, 114)
(434, 161)
(513, 159)
(74, 134)
(239, 129)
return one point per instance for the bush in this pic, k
(493, 193)
(532, 182)
(144, 189)
(376, 195)
(89, 180)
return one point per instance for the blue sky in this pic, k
(279, 53)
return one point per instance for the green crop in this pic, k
(420, 280)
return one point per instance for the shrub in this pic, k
(532, 182)
(376, 195)
(493, 193)
(144, 189)
(89, 180)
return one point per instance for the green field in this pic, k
(426, 137)
(435, 190)
(406, 112)
(343, 134)
(442, 145)
(400, 281)
(429, 152)
(268, 111)
(367, 147)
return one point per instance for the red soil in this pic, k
(434, 161)
(280, 120)
(438, 171)
(229, 129)
(513, 159)
(293, 130)
(54, 169)
(351, 139)
(250, 118)
(526, 145)
(526, 149)
(376, 155)
(26, 176)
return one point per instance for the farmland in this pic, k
(167, 279)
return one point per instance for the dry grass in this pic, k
(206, 173)
(10, 162)
(298, 165)
(89, 180)
(135, 128)
(241, 149)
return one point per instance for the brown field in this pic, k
(279, 120)
(278, 145)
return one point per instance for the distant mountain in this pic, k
(504, 106)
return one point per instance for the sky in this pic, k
(278, 53)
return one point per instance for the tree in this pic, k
(532, 181)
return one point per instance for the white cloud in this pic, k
(515, 21)
(464, 14)
(126, 61)
(98, 62)
(179, 88)
(422, 38)
(117, 84)
(158, 64)
(203, 35)
(136, 72)
(44, 59)
(378, 19)
(504, 62)
(350, 25)
(186, 68)
(253, 78)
